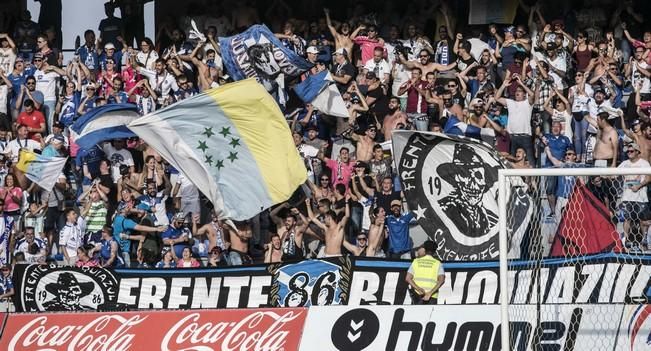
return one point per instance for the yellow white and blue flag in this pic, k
(41, 170)
(234, 145)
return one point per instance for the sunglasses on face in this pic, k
(361, 239)
(30, 83)
(38, 60)
(424, 56)
(570, 154)
(324, 179)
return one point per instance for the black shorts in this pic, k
(51, 218)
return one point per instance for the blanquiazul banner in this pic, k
(603, 279)
(277, 329)
(450, 182)
(257, 53)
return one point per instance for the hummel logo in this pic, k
(354, 336)
(360, 326)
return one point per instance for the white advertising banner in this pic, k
(467, 327)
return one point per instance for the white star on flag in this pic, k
(420, 212)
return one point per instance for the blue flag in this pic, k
(310, 88)
(257, 53)
(104, 123)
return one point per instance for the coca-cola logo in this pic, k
(261, 330)
(104, 333)
(51, 288)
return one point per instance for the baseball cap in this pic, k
(179, 216)
(58, 124)
(396, 203)
(509, 29)
(634, 146)
(599, 89)
(109, 46)
(550, 46)
(312, 127)
(312, 50)
(371, 75)
(58, 138)
(476, 101)
(38, 55)
(637, 121)
(341, 51)
(360, 164)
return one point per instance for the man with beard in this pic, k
(214, 232)
(291, 233)
(641, 135)
(605, 151)
(398, 231)
(68, 292)
(425, 64)
(156, 202)
(394, 118)
(334, 230)
(471, 178)
(163, 83)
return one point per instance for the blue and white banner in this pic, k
(104, 123)
(598, 279)
(257, 53)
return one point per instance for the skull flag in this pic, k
(450, 183)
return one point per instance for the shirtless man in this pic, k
(291, 233)
(239, 238)
(273, 253)
(376, 233)
(518, 161)
(424, 63)
(343, 39)
(605, 151)
(394, 118)
(640, 133)
(365, 143)
(213, 231)
(334, 232)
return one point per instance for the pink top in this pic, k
(368, 45)
(341, 172)
(10, 205)
(192, 264)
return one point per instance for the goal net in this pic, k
(581, 277)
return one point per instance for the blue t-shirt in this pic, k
(566, 184)
(124, 225)
(399, 240)
(124, 98)
(88, 56)
(175, 233)
(558, 145)
(91, 156)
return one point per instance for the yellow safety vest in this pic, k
(426, 272)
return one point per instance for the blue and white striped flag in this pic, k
(104, 123)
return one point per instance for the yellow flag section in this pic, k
(264, 130)
(233, 143)
(41, 170)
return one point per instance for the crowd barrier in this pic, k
(336, 281)
(332, 328)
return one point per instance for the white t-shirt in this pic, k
(379, 68)
(593, 108)
(7, 59)
(46, 83)
(637, 76)
(400, 76)
(187, 190)
(162, 84)
(4, 93)
(580, 102)
(519, 116)
(13, 147)
(631, 180)
(118, 158)
(70, 237)
(559, 64)
(148, 60)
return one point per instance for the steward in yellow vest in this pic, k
(425, 276)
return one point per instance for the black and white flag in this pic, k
(450, 183)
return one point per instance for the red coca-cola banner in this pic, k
(277, 329)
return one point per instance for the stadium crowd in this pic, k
(560, 87)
